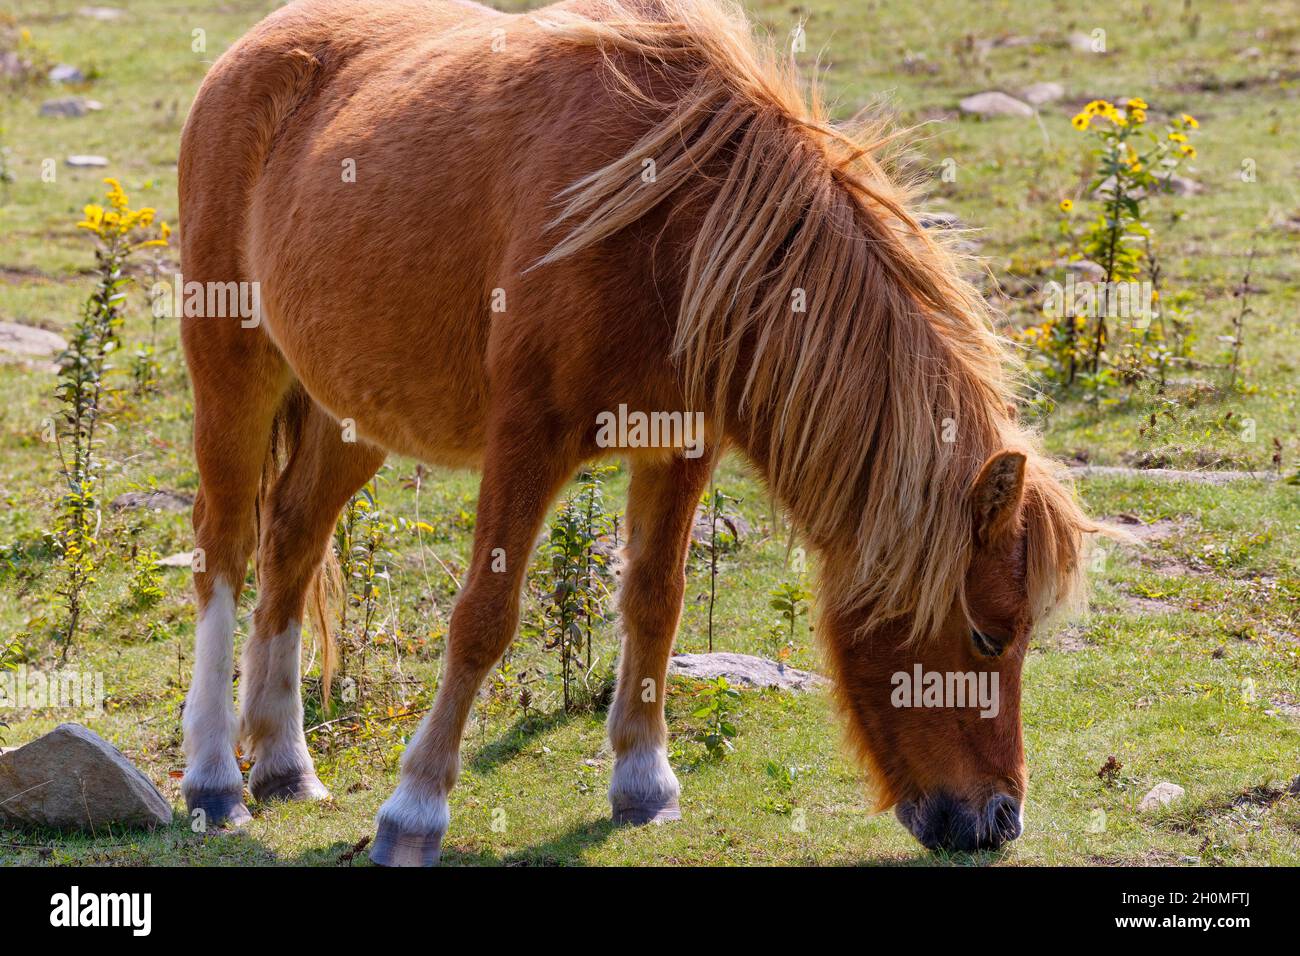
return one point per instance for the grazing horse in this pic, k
(473, 234)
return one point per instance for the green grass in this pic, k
(1186, 668)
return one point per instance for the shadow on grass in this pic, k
(512, 743)
(565, 849)
(938, 858)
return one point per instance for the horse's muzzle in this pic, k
(944, 822)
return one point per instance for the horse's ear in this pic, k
(997, 495)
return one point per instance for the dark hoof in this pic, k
(295, 786)
(640, 812)
(219, 810)
(392, 847)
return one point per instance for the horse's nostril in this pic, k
(1003, 814)
(943, 822)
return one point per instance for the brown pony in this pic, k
(472, 235)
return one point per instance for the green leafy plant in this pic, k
(146, 581)
(718, 701)
(83, 368)
(1135, 160)
(790, 601)
(721, 540)
(573, 587)
(1236, 340)
(361, 540)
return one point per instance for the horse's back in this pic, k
(388, 172)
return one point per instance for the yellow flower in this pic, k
(165, 230)
(1097, 107)
(1081, 121)
(1137, 103)
(1188, 150)
(1066, 205)
(94, 217)
(1190, 121)
(1137, 114)
(1178, 137)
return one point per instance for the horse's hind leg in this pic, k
(661, 509)
(239, 379)
(523, 470)
(323, 471)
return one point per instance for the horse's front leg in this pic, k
(521, 475)
(661, 509)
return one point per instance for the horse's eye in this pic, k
(986, 644)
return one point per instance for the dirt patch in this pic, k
(1150, 534)
(1149, 606)
(1171, 474)
(1286, 708)
(1068, 640)
(1147, 531)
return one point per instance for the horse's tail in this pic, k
(286, 435)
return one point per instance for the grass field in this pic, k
(1185, 668)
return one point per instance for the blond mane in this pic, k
(875, 406)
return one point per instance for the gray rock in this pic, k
(734, 525)
(1173, 185)
(1039, 93)
(28, 341)
(743, 670)
(1161, 795)
(1084, 269)
(74, 779)
(1080, 42)
(63, 73)
(72, 106)
(101, 13)
(994, 103)
(1180, 186)
(940, 220)
(86, 162)
(153, 501)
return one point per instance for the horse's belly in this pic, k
(414, 387)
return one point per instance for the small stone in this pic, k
(72, 778)
(1161, 795)
(1081, 43)
(86, 162)
(153, 501)
(734, 525)
(1040, 93)
(1085, 269)
(1180, 186)
(918, 63)
(101, 13)
(72, 106)
(994, 103)
(63, 73)
(743, 670)
(28, 342)
(939, 220)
